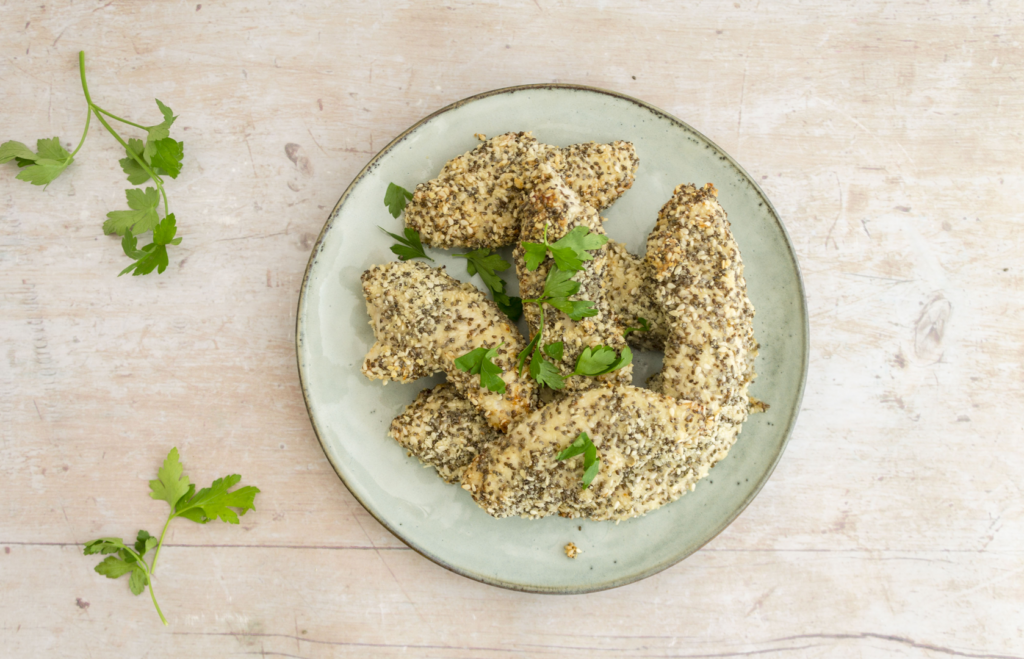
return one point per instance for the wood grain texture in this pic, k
(888, 135)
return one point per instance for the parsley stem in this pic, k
(97, 111)
(160, 543)
(152, 596)
(88, 118)
(123, 121)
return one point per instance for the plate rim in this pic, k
(557, 590)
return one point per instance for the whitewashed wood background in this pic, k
(889, 137)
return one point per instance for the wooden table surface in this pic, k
(887, 134)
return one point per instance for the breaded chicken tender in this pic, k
(695, 274)
(424, 320)
(648, 445)
(474, 201)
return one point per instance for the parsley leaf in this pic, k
(37, 168)
(139, 580)
(11, 149)
(598, 360)
(136, 174)
(591, 462)
(167, 155)
(144, 542)
(581, 241)
(533, 254)
(140, 219)
(395, 198)
(154, 255)
(478, 361)
(575, 309)
(544, 372)
(410, 246)
(555, 350)
(113, 567)
(560, 284)
(530, 347)
(128, 560)
(569, 251)
(171, 485)
(158, 133)
(510, 305)
(644, 327)
(216, 502)
(487, 264)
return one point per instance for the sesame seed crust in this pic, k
(628, 298)
(553, 205)
(646, 443)
(424, 320)
(443, 430)
(695, 274)
(475, 200)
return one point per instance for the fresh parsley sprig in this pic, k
(594, 360)
(591, 461)
(409, 246)
(559, 288)
(395, 198)
(487, 264)
(158, 156)
(171, 485)
(479, 361)
(569, 251)
(644, 327)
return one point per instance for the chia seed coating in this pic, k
(443, 430)
(645, 441)
(628, 298)
(424, 320)
(695, 274)
(475, 200)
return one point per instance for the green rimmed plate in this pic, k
(351, 414)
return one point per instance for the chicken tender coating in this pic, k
(629, 299)
(695, 274)
(645, 441)
(443, 430)
(425, 320)
(599, 173)
(554, 205)
(474, 201)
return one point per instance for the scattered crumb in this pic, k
(571, 550)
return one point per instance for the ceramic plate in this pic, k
(351, 414)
